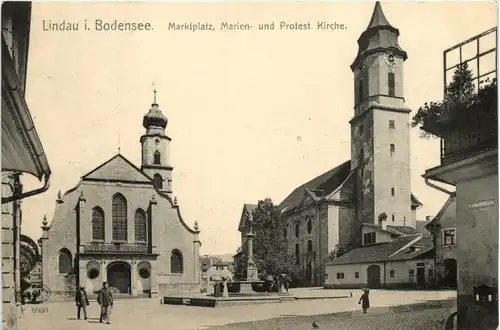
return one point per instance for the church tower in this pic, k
(155, 149)
(380, 129)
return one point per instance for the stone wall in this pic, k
(477, 248)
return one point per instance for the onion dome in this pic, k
(154, 117)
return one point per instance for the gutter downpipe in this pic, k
(434, 238)
(432, 185)
(29, 193)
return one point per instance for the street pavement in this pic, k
(150, 314)
(429, 319)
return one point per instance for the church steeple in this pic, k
(380, 135)
(380, 35)
(154, 119)
(155, 148)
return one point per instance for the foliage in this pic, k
(460, 96)
(339, 250)
(269, 252)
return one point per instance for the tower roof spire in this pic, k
(154, 117)
(379, 36)
(378, 17)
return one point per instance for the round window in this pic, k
(144, 273)
(93, 273)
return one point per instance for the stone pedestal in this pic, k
(252, 272)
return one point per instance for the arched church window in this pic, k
(157, 158)
(65, 266)
(176, 262)
(309, 245)
(140, 225)
(309, 226)
(119, 223)
(297, 228)
(392, 191)
(97, 224)
(391, 83)
(284, 233)
(158, 181)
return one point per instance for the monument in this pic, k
(252, 271)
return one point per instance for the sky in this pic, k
(252, 114)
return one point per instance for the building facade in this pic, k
(329, 211)
(22, 153)
(404, 262)
(444, 231)
(469, 162)
(121, 225)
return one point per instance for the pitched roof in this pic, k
(438, 216)
(415, 203)
(402, 248)
(118, 168)
(405, 230)
(393, 230)
(421, 226)
(243, 219)
(321, 185)
(250, 207)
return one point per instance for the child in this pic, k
(364, 298)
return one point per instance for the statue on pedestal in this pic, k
(252, 271)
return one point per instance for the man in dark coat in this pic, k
(105, 299)
(81, 302)
(364, 300)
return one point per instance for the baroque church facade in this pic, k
(121, 225)
(367, 199)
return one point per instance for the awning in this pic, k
(21, 147)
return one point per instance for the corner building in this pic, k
(121, 225)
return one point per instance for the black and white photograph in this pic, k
(249, 165)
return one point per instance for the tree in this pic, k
(269, 251)
(339, 250)
(460, 94)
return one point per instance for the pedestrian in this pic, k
(81, 302)
(287, 282)
(364, 300)
(105, 299)
(269, 283)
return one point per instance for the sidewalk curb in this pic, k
(398, 309)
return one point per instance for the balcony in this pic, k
(467, 122)
(475, 134)
(116, 248)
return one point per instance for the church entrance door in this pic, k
(119, 276)
(373, 275)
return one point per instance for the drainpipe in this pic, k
(29, 193)
(432, 185)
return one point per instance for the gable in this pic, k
(117, 169)
(321, 186)
(247, 208)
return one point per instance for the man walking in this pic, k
(81, 302)
(105, 299)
